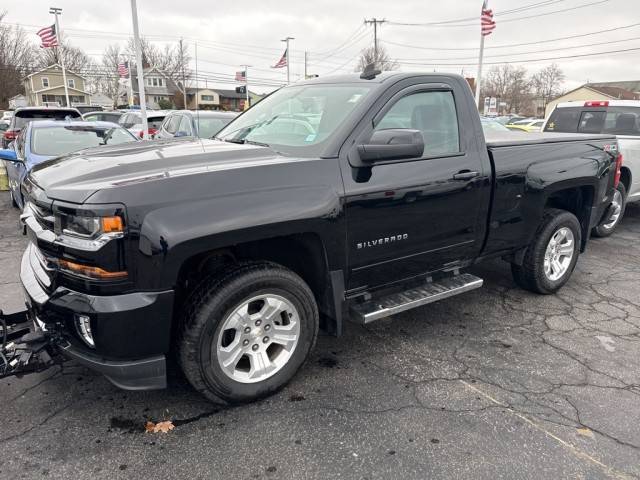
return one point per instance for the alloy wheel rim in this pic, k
(559, 253)
(258, 338)
(617, 210)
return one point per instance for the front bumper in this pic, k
(131, 331)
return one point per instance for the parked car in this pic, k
(227, 251)
(528, 125)
(24, 115)
(40, 141)
(618, 117)
(99, 116)
(6, 115)
(132, 121)
(4, 125)
(186, 123)
(490, 125)
(88, 108)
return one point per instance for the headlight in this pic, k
(90, 227)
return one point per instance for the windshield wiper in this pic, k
(242, 141)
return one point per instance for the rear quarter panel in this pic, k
(526, 176)
(630, 148)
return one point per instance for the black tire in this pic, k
(210, 304)
(604, 231)
(530, 275)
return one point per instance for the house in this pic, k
(231, 100)
(17, 101)
(46, 87)
(218, 99)
(157, 87)
(207, 99)
(597, 91)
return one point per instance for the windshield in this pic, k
(297, 119)
(208, 127)
(55, 141)
(616, 120)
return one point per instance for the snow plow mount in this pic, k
(24, 349)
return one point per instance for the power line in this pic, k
(626, 50)
(528, 53)
(474, 23)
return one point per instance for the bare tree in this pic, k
(16, 54)
(547, 83)
(108, 80)
(378, 56)
(510, 85)
(172, 60)
(74, 58)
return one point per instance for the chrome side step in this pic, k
(375, 309)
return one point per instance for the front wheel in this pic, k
(619, 203)
(247, 332)
(551, 257)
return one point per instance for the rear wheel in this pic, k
(551, 257)
(247, 332)
(619, 203)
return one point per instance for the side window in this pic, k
(173, 123)
(433, 113)
(185, 125)
(591, 122)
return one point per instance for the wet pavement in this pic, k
(497, 383)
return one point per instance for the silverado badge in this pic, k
(382, 241)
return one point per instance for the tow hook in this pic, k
(24, 351)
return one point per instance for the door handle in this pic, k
(465, 175)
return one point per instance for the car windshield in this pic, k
(55, 141)
(296, 120)
(26, 116)
(208, 127)
(616, 120)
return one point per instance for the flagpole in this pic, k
(479, 77)
(138, 47)
(286, 40)
(57, 11)
(130, 102)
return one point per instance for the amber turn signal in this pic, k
(112, 224)
(92, 272)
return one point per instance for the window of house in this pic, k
(71, 83)
(45, 82)
(159, 82)
(207, 98)
(433, 113)
(155, 82)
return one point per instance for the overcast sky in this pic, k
(231, 33)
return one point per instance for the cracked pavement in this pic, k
(496, 383)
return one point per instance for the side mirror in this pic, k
(181, 133)
(392, 144)
(9, 155)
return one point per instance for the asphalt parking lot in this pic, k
(498, 383)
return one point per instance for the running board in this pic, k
(375, 309)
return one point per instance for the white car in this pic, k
(619, 117)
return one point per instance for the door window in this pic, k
(185, 125)
(434, 114)
(172, 124)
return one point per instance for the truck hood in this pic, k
(75, 177)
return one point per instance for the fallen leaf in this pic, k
(585, 432)
(160, 427)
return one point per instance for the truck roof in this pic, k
(380, 78)
(599, 103)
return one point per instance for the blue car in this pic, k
(46, 139)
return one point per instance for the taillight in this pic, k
(616, 178)
(11, 134)
(600, 103)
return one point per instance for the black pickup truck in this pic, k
(351, 196)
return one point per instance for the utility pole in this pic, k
(305, 64)
(138, 46)
(197, 98)
(286, 40)
(246, 84)
(374, 21)
(58, 11)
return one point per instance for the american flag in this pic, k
(241, 76)
(123, 69)
(282, 62)
(486, 20)
(48, 36)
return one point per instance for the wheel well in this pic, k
(577, 200)
(625, 177)
(302, 253)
